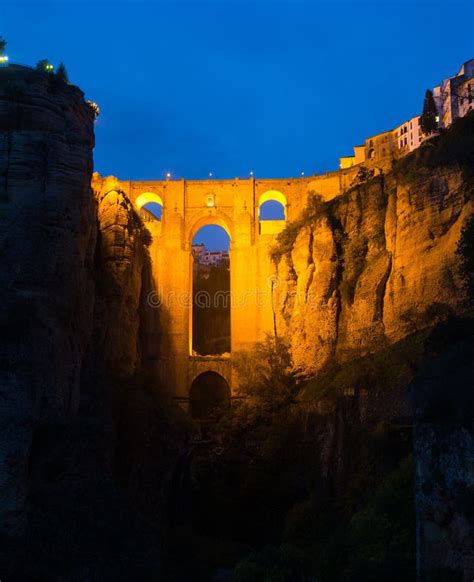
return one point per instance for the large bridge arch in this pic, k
(208, 220)
(211, 291)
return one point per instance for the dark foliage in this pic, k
(428, 118)
(465, 251)
(454, 147)
(363, 176)
(62, 73)
(44, 65)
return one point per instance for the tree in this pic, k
(62, 73)
(363, 176)
(45, 66)
(428, 121)
(3, 44)
(267, 371)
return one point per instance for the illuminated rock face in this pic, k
(234, 205)
(47, 225)
(123, 260)
(377, 265)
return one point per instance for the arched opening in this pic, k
(211, 291)
(208, 392)
(150, 206)
(272, 212)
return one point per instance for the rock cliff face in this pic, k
(75, 276)
(76, 329)
(47, 226)
(372, 266)
(444, 455)
(122, 260)
(77, 416)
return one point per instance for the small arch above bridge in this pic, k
(147, 197)
(272, 212)
(152, 203)
(272, 195)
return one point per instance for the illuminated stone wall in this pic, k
(233, 205)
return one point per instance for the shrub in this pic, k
(62, 73)
(267, 371)
(45, 66)
(271, 564)
(465, 252)
(285, 241)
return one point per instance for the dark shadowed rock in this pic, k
(47, 240)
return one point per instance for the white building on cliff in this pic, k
(454, 98)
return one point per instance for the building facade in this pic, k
(453, 98)
(452, 95)
(409, 135)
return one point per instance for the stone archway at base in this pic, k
(208, 391)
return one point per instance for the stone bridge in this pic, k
(234, 205)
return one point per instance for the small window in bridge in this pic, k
(272, 210)
(150, 206)
(153, 208)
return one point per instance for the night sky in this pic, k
(231, 87)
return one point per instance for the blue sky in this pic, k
(227, 87)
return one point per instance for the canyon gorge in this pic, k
(352, 401)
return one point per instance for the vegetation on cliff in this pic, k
(453, 147)
(298, 488)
